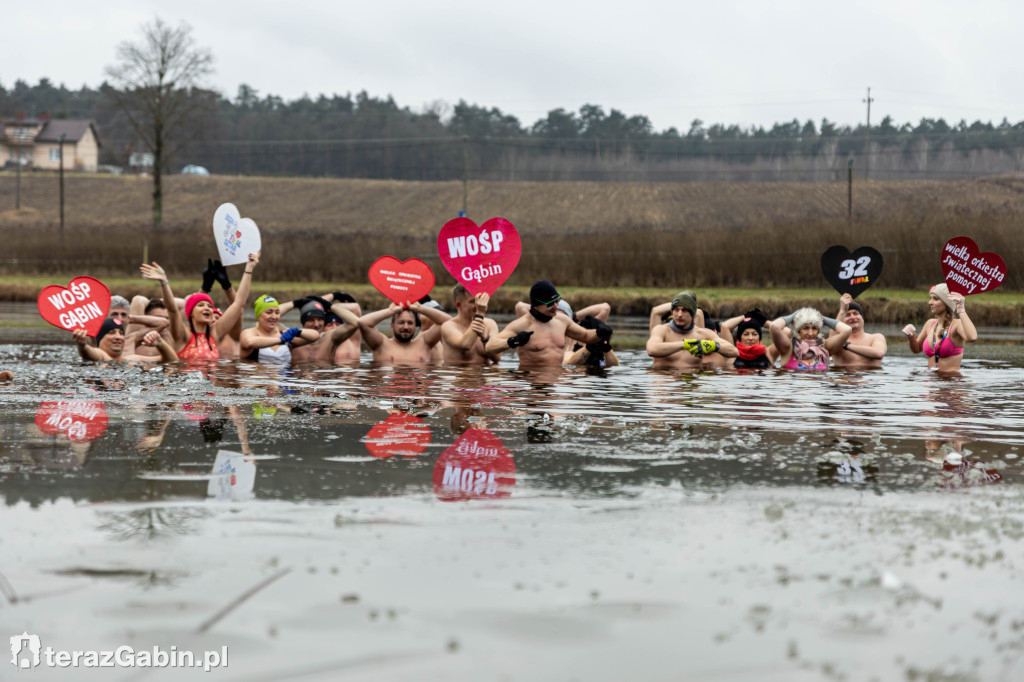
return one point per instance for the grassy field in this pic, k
(767, 236)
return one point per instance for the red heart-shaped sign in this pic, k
(968, 272)
(476, 466)
(83, 304)
(480, 258)
(402, 281)
(79, 420)
(400, 434)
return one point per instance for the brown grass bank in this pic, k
(765, 235)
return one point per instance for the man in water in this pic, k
(861, 349)
(681, 344)
(110, 341)
(405, 348)
(466, 335)
(539, 337)
(313, 316)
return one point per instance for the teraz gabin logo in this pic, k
(25, 650)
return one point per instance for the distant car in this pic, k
(194, 170)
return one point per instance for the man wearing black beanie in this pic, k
(862, 349)
(539, 337)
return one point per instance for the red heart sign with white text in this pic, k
(480, 258)
(83, 304)
(476, 466)
(969, 272)
(79, 420)
(400, 434)
(402, 282)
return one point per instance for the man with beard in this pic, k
(110, 344)
(862, 349)
(406, 348)
(313, 316)
(539, 336)
(681, 344)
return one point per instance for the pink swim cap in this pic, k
(191, 301)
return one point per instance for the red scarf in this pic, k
(751, 352)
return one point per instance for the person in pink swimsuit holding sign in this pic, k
(943, 338)
(800, 344)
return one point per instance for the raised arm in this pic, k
(658, 312)
(349, 326)
(966, 331)
(438, 317)
(835, 342)
(780, 339)
(81, 339)
(157, 341)
(368, 325)
(178, 331)
(233, 314)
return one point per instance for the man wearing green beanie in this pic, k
(682, 344)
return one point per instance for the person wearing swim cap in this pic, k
(269, 341)
(198, 342)
(405, 347)
(747, 336)
(944, 336)
(313, 315)
(861, 350)
(466, 335)
(539, 337)
(800, 343)
(110, 344)
(681, 343)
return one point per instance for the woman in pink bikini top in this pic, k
(944, 336)
(197, 334)
(800, 344)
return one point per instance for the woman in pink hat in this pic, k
(198, 342)
(944, 336)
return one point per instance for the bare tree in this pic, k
(157, 88)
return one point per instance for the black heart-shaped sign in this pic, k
(851, 273)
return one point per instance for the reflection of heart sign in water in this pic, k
(402, 282)
(82, 305)
(400, 434)
(969, 272)
(851, 273)
(480, 258)
(236, 237)
(476, 466)
(79, 420)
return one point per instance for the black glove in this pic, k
(757, 316)
(342, 297)
(209, 276)
(596, 351)
(520, 339)
(221, 273)
(322, 301)
(604, 332)
(299, 302)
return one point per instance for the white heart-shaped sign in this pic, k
(236, 237)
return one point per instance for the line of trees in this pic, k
(372, 137)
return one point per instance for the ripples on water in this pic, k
(498, 524)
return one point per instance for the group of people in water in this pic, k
(545, 332)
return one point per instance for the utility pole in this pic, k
(60, 141)
(465, 174)
(867, 138)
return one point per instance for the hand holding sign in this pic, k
(968, 272)
(480, 258)
(401, 281)
(82, 305)
(236, 237)
(851, 273)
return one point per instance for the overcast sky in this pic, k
(745, 62)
